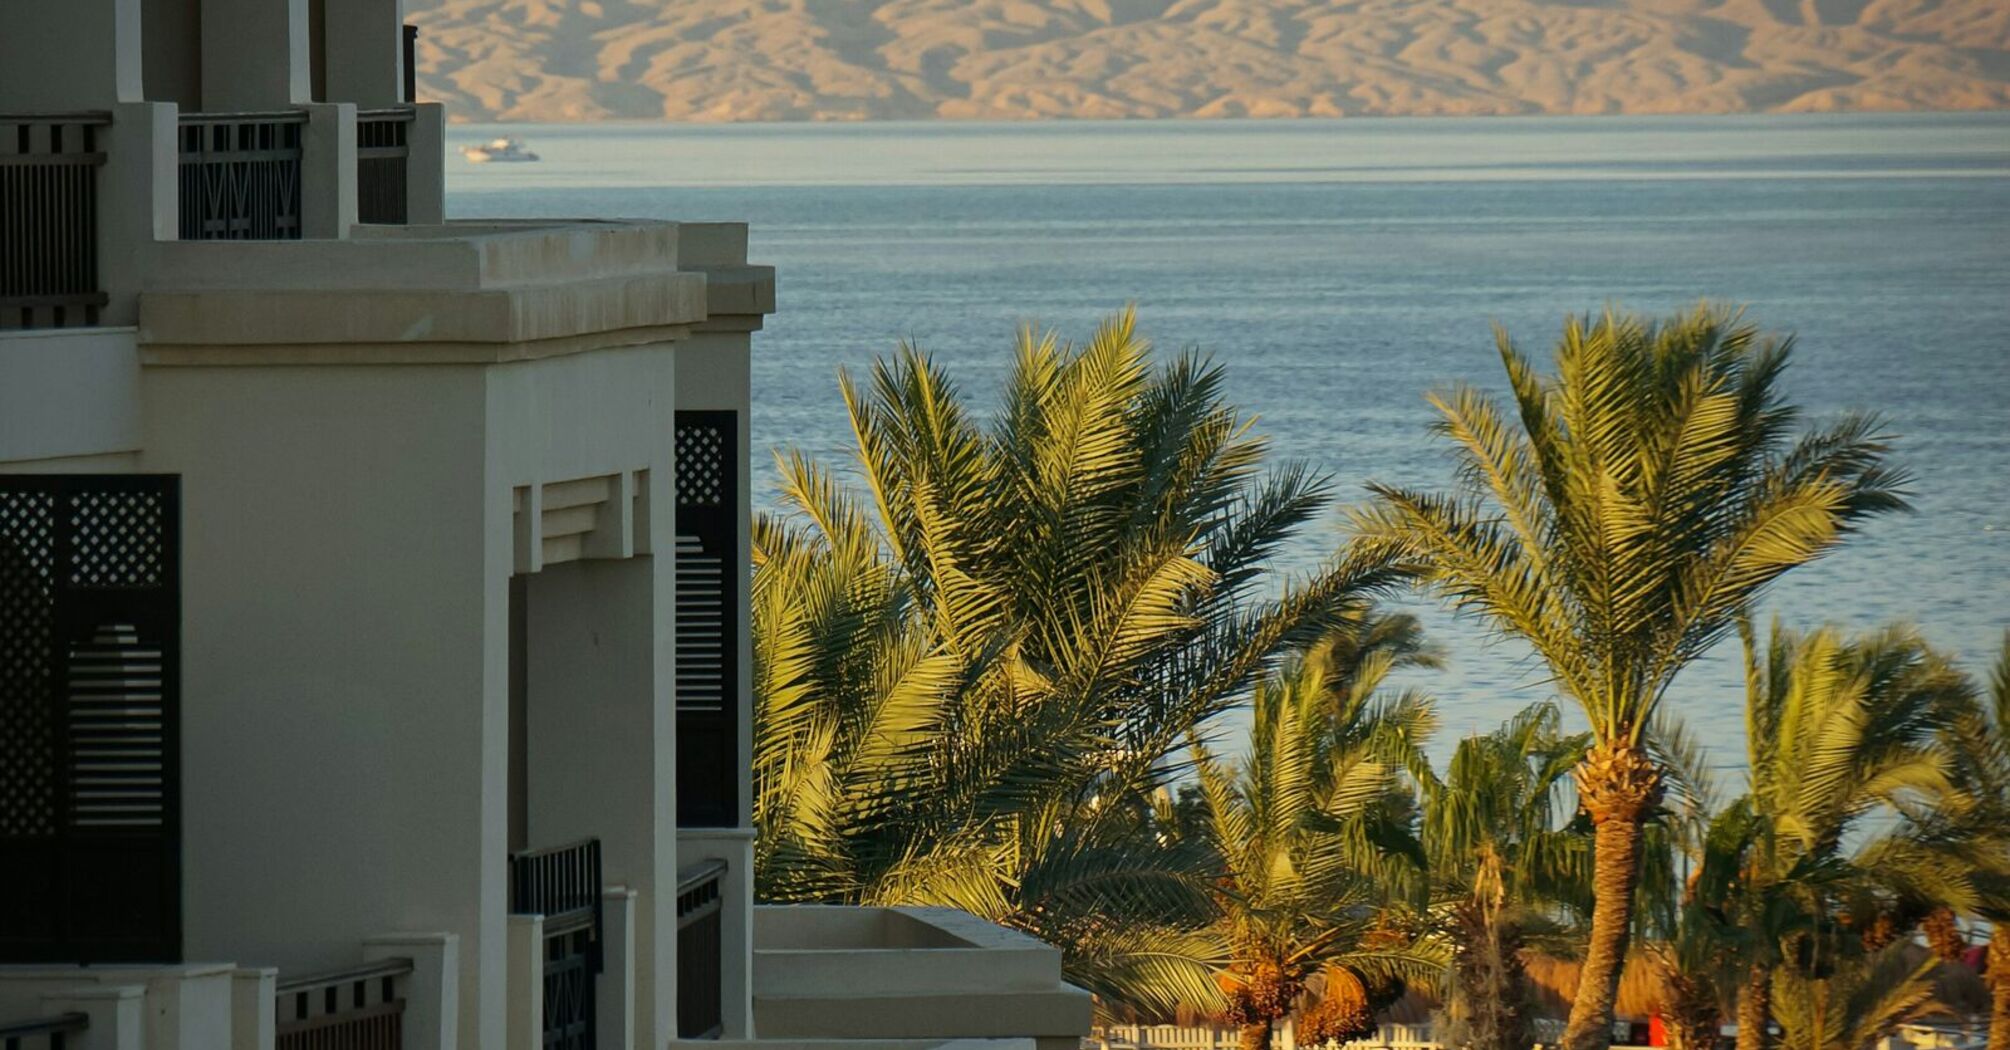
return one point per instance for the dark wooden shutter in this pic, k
(709, 567)
(90, 610)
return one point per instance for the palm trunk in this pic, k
(1692, 1033)
(1490, 992)
(1617, 783)
(1615, 867)
(1256, 1036)
(1755, 1008)
(1999, 989)
(1689, 1008)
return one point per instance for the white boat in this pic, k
(503, 149)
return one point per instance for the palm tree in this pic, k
(1846, 738)
(1502, 860)
(1703, 959)
(1856, 1005)
(1618, 522)
(1993, 736)
(973, 676)
(1310, 833)
(1978, 842)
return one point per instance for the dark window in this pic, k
(90, 621)
(710, 567)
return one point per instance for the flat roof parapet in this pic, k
(461, 292)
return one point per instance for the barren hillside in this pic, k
(723, 60)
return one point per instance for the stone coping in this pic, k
(485, 291)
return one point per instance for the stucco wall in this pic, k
(68, 393)
(348, 549)
(70, 56)
(342, 693)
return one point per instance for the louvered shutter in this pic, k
(710, 566)
(90, 866)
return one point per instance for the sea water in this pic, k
(1339, 269)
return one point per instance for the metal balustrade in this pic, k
(562, 883)
(570, 946)
(240, 176)
(49, 219)
(383, 152)
(700, 942)
(51, 1032)
(356, 1008)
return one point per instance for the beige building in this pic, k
(373, 645)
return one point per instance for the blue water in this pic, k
(1340, 269)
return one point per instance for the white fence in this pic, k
(1419, 1037)
(1213, 1037)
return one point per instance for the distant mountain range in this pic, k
(727, 60)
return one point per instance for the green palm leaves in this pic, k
(1852, 768)
(1310, 829)
(989, 652)
(1503, 865)
(1618, 516)
(974, 674)
(1621, 513)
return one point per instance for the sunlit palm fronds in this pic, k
(1505, 866)
(976, 672)
(1617, 516)
(1858, 1004)
(1311, 828)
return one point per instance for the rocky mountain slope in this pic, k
(723, 60)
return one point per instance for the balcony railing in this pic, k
(357, 1008)
(240, 176)
(383, 149)
(700, 988)
(562, 883)
(51, 1032)
(49, 219)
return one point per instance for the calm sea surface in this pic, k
(1340, 269)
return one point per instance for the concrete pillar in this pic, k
(432, 992)
(525, 990)
(426, 166)
(187, 1005)
(614, 1006)
(362, 52)
(253, 1025)
(255, 55)
(714, 372)
(328, 171)
(599, 714)
(114, 1011)
(70, 56)
(735, 846)
(403, 702)
(138, 202)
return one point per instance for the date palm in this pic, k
(974, 674)
(1616, 517)
(1978, 842)
(1502, 862)
(1857, 1003)
(1850, 759)
(1310, 833)
(1991, 734)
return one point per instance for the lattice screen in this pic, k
(90, 612)
(709, 570)
(27, 622)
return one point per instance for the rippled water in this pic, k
(1340, 269)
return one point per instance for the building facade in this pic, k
(374, 660)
